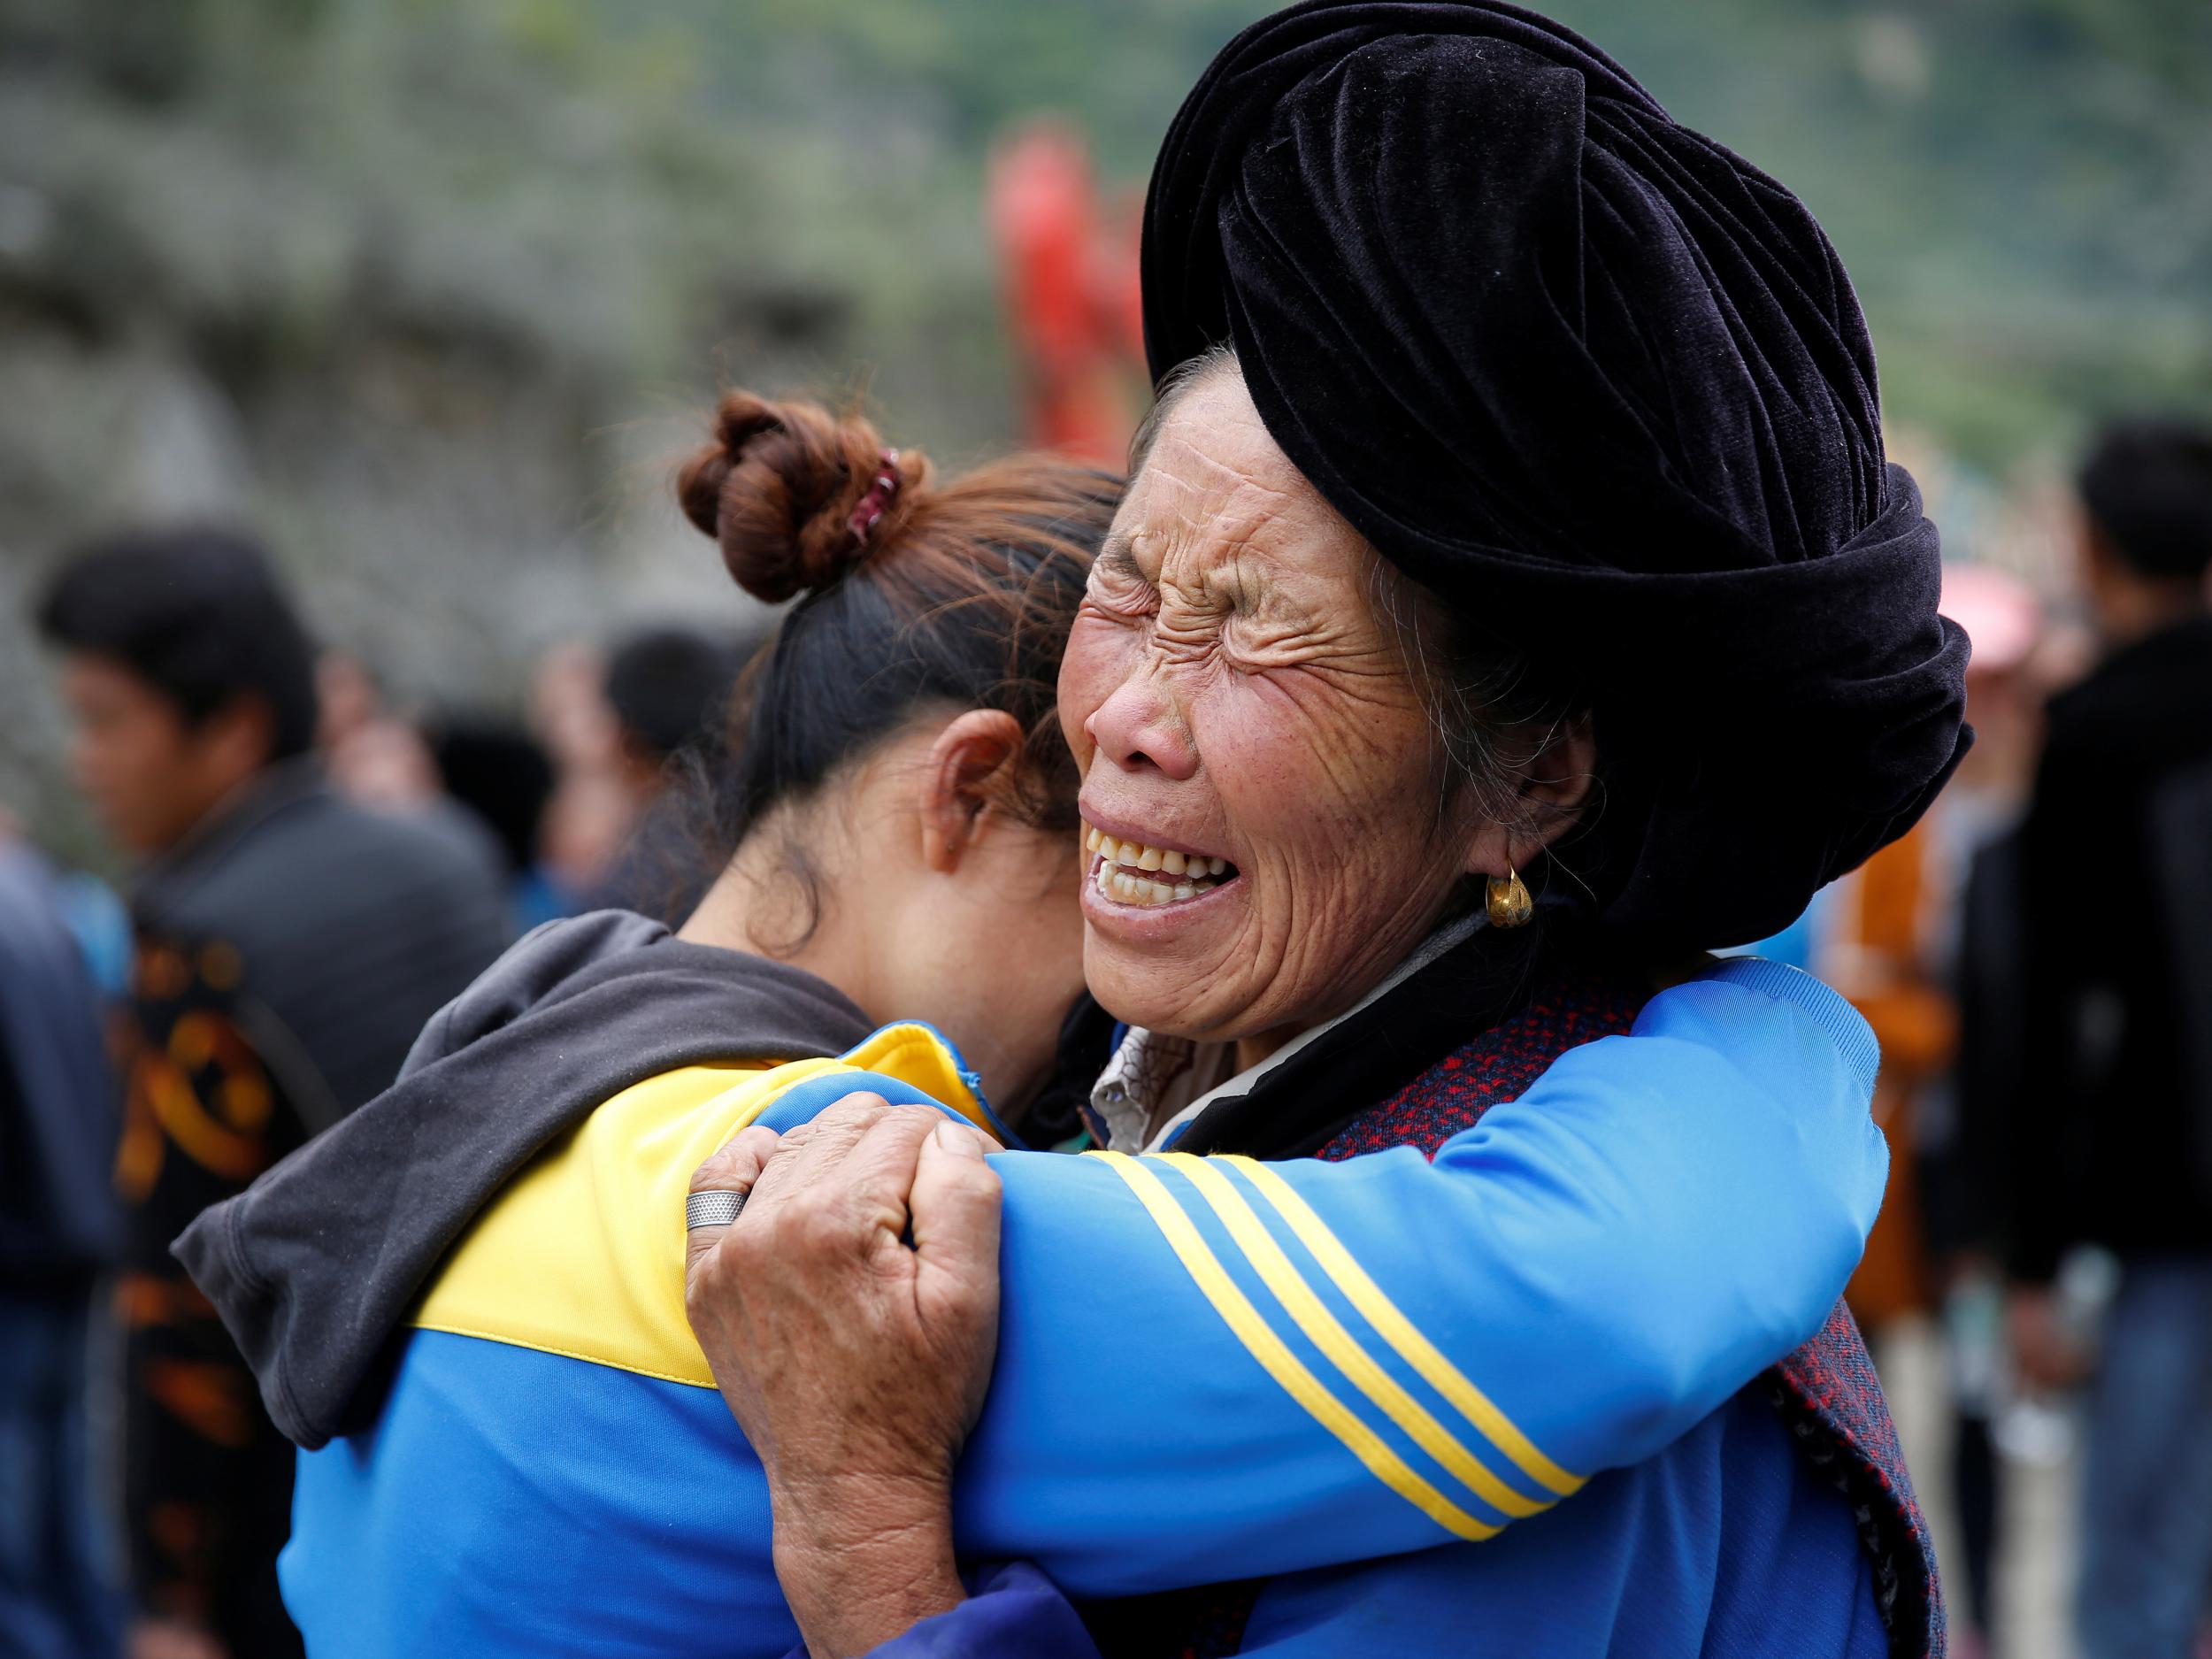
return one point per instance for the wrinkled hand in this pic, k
(855, 1361)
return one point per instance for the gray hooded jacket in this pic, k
(315, 1266)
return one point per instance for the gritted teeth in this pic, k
(1136, 873)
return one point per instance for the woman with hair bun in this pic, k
(468, 1303)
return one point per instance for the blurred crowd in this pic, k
(314, 874)
(2036, 959)
(318, 868)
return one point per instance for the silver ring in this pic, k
(717, 1207)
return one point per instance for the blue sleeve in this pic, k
(1014, 1613)
(1215, 1369)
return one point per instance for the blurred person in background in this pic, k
(289, 944)
(1068, 266)
(497, 771)
(1972, 952)
(2113, 1143)
(368, 753)
(1886, 936)
(60, 1225)
(668, 689)
(588, 814)
(628, 824)
(1877, 942)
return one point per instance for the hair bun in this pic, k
(777, 488)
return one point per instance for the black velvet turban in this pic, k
(1601, 387)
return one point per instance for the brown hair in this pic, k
(961, 595)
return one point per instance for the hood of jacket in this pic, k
(314, 1266)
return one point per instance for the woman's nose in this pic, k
(1139, 727)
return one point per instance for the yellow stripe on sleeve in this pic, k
(1395, 1329)
(1326, 1332)
(1261, 1341)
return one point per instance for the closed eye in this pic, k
(1116, 562)
(1118, 586)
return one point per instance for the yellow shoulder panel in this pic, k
(583, 1253)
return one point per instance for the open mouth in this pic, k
(1136, 872)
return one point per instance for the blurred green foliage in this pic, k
(2022, 188)
(431, 289)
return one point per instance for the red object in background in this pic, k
(1071, 281)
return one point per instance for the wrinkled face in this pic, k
(1262, 789)
(143, 769)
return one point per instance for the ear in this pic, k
(1553, 787)
(969, 751)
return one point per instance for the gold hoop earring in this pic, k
(1510, 904)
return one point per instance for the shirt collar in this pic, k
(1154, 1073)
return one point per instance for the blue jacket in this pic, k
(1208, 1370)
(59, 1219)
(1726, 1545)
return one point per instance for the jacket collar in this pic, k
(274, 790)
(1463, 982)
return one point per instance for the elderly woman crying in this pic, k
(1510, 597)
(1249, 686)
